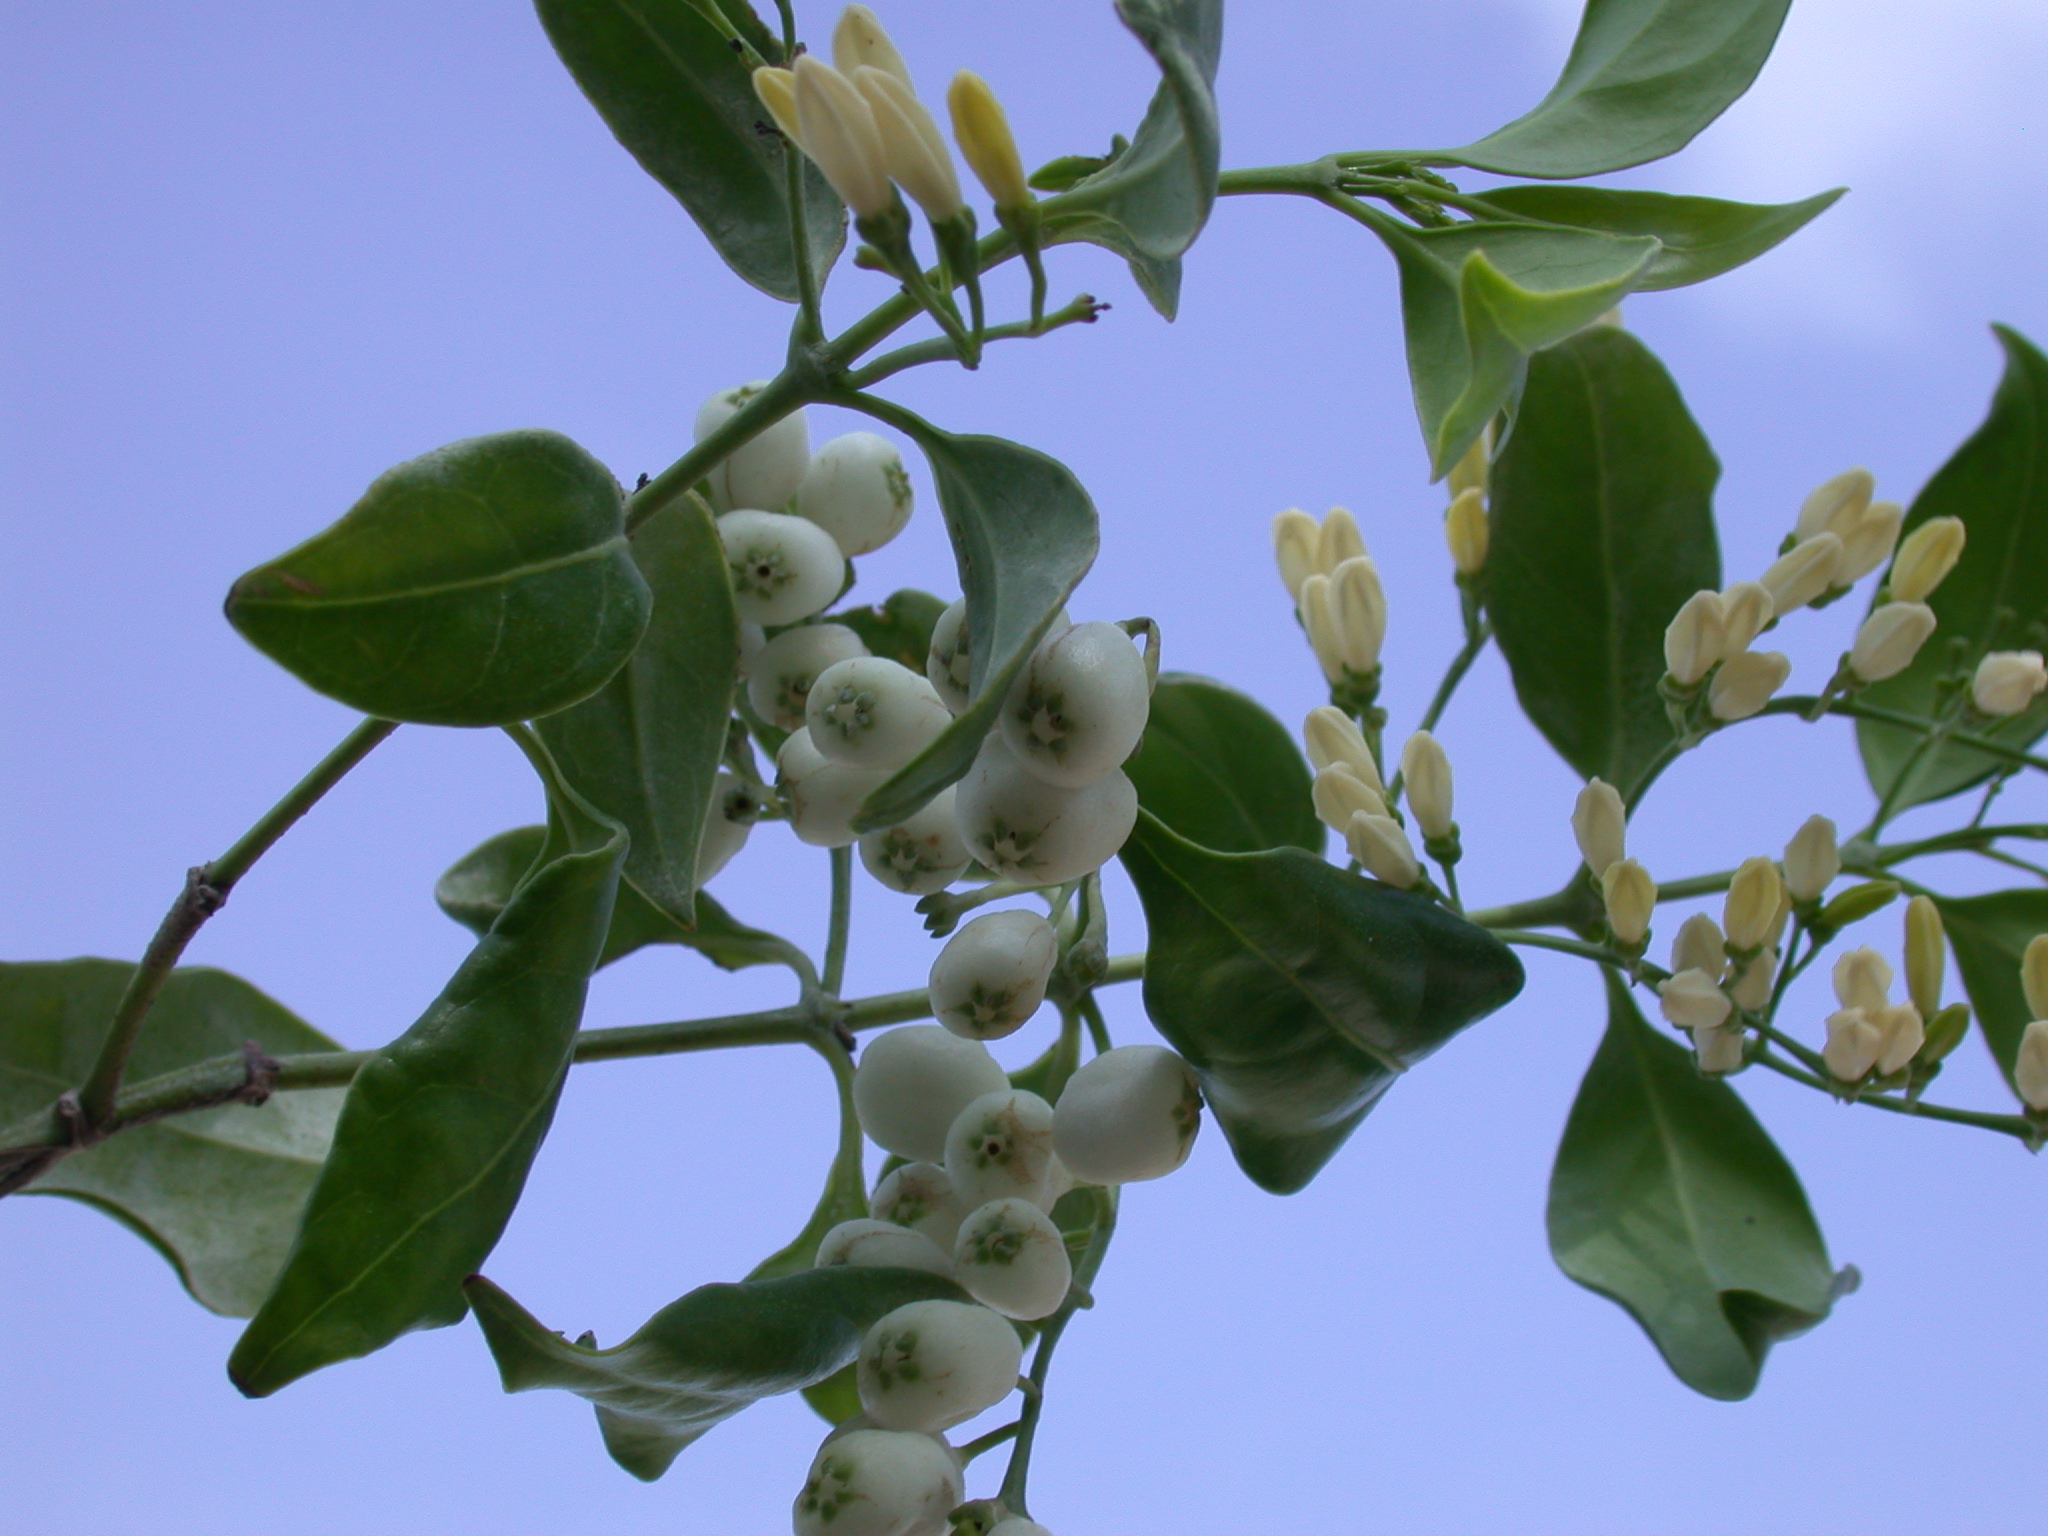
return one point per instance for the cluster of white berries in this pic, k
(1352, 801)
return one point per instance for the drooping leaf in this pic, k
(1298, 991)
(1024, 534)
(1221, 771)
(1702, 236)
(680, 98)
(483, 583)
(1643, 78)
(1477, 299)
(1989, 935)
(439, 1129)
(1603, 526)
(218, 1191)
(1996, 599)
(899, 628)
(477, 886)
(1669, 1198)
(645, 748)
(700, 1360)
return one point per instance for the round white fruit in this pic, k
(780, 674)
(1079, 706)
(857, 490)
(1130, 1114)
(879, 1482)
(991, 976)
(1030, 831)
(920, 1196)
(949, 666)
(874, 713)
(783, 568)
(921, 855)
(823, 797)
(1011, 1257)
(1000, 1146)
(933, 1364)
(865, 1243)
(911, 1084)
(727, 821)
(764, 471)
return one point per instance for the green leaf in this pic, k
(1669, 1198)
(1996, 599)
(218, 1191)
(440, 1126)
(1024, 534)
(1477, 299)
(482, 583)
(646, 747)
(1643, 78)
(477, 887)
(1702, 236)
(900, 628)
(1603, 526)
(700, 1360)
(1299, 991)
(680, 98)
(1990, 935)
(1221, 771)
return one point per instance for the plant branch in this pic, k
(940, 349)
(1854, 710)
(2017, 1126)
(841, 921)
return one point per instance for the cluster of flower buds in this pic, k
(1600, 827)
(1720, 968)
(2030, 1069)
(1338, 599)
(1869, 1034)
(1351, 799)
(1707, 646)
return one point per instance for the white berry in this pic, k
(727, 821)
(920, 1196)
(1079, 706)
(856, 489)
(933, 1364)
(921, 855)
(1011, 1257)
(879, 1482)
(1028, 830)
(823, 797)
(783, 568)
(1128, 1115)
(949, 666)
(1000, 1146)
(865, 1243)
(991, 976)
(764, 471)
(780, 674)
(911, 1084)
(874, 713)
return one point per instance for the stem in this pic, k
(940, 349)
(988, 1442)
(1091, 1014)
(1672, 751)
(1964, 840)
(2017, 1126)
(1454, 674)
(206, 891)
(841, 920)
(1856, 710)
(1567, 908)
(1583, 950)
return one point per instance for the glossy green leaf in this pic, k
(1603, 525)
(440, 1127)
(1477, 299)
(1299, 991)
(700, 1360)
(482, 583)
(899, 628)
(645, 748)
(1989, 935)
(1669, 1198)
(1221, 771)
(218, 1191)
(1643, 78)
(477, 886)
(1996, 599)
(1702, 236)
(680, 98)
(1024, 534)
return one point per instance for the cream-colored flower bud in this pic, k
(1600, 825)
(1745, 684)
(1835, 505)
(1812, 861)
(1854, 1044)
(2030, 1068)
(1467, 532)
(1752, 989)
(2007, 682)
(912, 149)
(1333, 738)
(1720, 1050)
(1926, 955)
(1753, 897)
(861, 39)
(1318, 617)
(1693, 1000)
(1925, 559)
(1870, 542)
(1889, 640)
(1340, 794)
(1470, 472)
(983, 134)
(1700, 946)
(1802, 573)
(2034, 975)
(1863, 979)
(1338, 540)
(1746, 608)
(1631, 897)
(837, 130)
(1383, 848)
(1696, 638)
(1358, 605)
(1903, 1032)
(1426, 769)
(1294, 547)
(777, 90)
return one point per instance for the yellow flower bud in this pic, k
(1334, 739)
(1925, 559)
(1746, 608)
(837, 130)
(1426, 770)
(777, 90)
(1889, 640)
(1802, 573)
(1812, 860)
(1337, 541)
(860, 39)
(1319, 619)
(1752, 989)
(1631, 897)
(1745, 684)
(1854, 1044)
(1294, 547)
(2007, 682)
(1869, 543)
(1700, 947)
(1863, 979)
(1600, 825)
(1752, 903)
(983, 134)
(1693, 1000)
(1926, 955)
(2034, 975)
(1902, 1032)
(915, 155)
(1467, 531)
(1720, 1050)
(1339, 794)
(1358, 607)
(1382, 847)
(2030, 1070)
(1696, 638)
(1469, 473)
(1836, 504)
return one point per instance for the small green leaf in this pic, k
(1221, 771)
(700, 1360)
(680, 98)
(1669, 1198)
(480, 584)
(646, 747)
(440, 1127)
(1024, 534)
(1643, 78)
(477, 886)
(900, 629)
(1603, 525)
(1990, 935)
(1702, 236)
(217, 1192)
(1298, 991)
(1996, 599)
